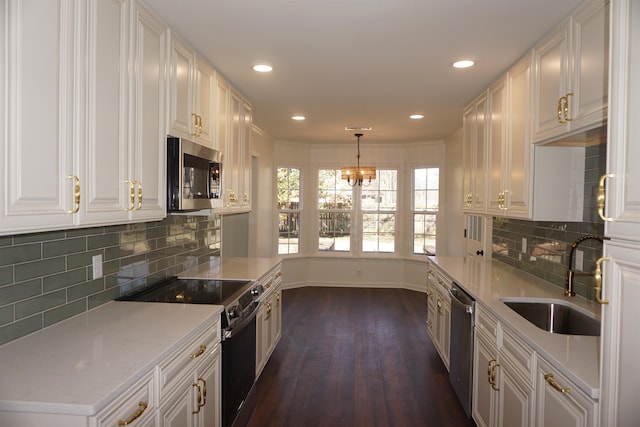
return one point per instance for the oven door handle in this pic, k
(230, 333)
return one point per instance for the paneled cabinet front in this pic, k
(439, 312)
(105, 147)
(503, 383)
(234, 129)
(269, 319)
(571, 74)
(191, 95)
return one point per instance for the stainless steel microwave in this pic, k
(193, 176)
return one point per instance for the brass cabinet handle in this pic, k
(199, 398)
(600, 197)
(139, 195)
(549, 378)
(197, 125)
(493, 377)
(132, 195)
(278, 299)
(560, 118)
(76, 194)
(429, 323)
(597, 278)
(142, 406)
(268, 284)
(204, 392)
(268, 316)
(278, 274)
(566, 107)
(490, 370)
(202, 349)
(439, 305)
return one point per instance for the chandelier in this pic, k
(356, 175)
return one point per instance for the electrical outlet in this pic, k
(97, 266)
(524, 245)
(578, 263)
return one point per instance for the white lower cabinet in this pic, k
(515, 386)
(439, 312)
(196, 401)
(135, 407)
(269, 319)
(503, 387)
(559, 402)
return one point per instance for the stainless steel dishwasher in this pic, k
(461, 350)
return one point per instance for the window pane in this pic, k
(288, 201)
(288, 229)
(426, 182)
(378, 234)
(424, 234)
(334, 231)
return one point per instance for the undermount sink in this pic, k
(555, 317)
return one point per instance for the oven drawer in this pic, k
(172, 369)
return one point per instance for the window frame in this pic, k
(288, 211)
(414, 212)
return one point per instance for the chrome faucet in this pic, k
(568, 291)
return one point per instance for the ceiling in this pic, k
(361, 62)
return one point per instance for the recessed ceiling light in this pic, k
(298, 118)
(262, 68)
(463, 64)
(416, 116)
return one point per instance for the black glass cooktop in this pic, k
(191, 291)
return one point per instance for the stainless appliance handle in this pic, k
(229, 334)
(468, 308)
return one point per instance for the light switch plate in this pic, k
(97, 266)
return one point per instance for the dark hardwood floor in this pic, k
(355, 357)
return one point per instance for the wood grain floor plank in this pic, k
(355, 357)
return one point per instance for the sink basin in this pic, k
(555, 317)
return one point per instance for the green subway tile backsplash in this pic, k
(48, 277)
(546, 254)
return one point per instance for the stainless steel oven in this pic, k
(238, 322)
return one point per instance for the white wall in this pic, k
(453, 244)
(262, 219)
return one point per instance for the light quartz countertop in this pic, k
(81, 364)
(578, 357)
(232, 268)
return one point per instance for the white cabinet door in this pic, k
(570, 85)
(620, 348)
(559, 402)
(102, 160)
(475, 155)
(590, 76)
(516, 397)
(497, 113)
(517, 170)
(147, 153)
(36, 155)
(204, 104)
(623, 148)
(181, 68)
(484, 396)
(551, 61)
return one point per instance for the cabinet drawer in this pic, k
(136, 405)
(519, 355)
(173, 368)
(486, 322)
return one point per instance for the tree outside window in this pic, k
(288, 188)
(335, 204)
(426, 196)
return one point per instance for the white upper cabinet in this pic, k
(85, 117)
(146, 187)
(474, 155)
(102, 148)
(622, 207)
(570, 75)
(191, 86)
(38, 73)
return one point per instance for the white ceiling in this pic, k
(361, 62)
